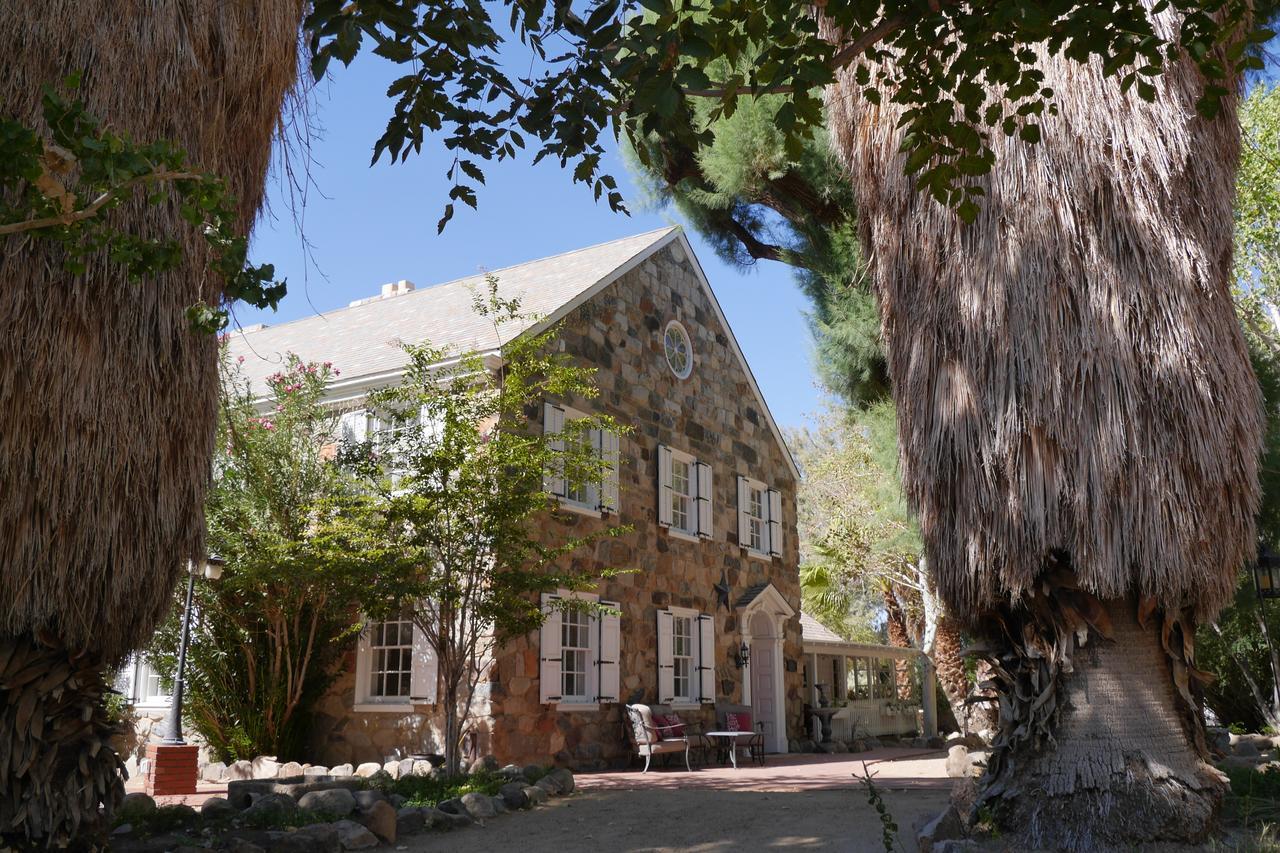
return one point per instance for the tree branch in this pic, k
(98, 203)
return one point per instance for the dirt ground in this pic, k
(702, 821)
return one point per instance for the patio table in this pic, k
(729, 741)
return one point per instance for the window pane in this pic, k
(391, 659)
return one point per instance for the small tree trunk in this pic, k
(1122, 768)
(452, 759)
(898, 638)
(951, 675)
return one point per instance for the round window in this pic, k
(679, 350)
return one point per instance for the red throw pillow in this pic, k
(669, 727)
(738, 721)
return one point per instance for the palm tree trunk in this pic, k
(951, 675)
(896, 622)
(107, 395)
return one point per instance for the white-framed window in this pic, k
(686, 657)
(678, 348)
(685, 494)
(143, 685)
(759, 518)
(395, 666)
(595, 497)
(579, 653)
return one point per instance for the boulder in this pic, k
(536, 796)
(858, 745)
(216, 808)
(366, 799)
(381, 820)
(478, 805)
(410, 820)
(392, 769)
(368, 769)
(1218, 739)
(1245, 748)
(452, 806)
(421, 767)
(271, 809)
(239, 771)
(510, 771)
(213, 772)
(244, 845)
(513, 795)
(807, 745)
(406, 768)
(533, 772)
(315, 838)
(958, 766)
(331, 802)
(499, 805)
(342, 770)
(353, 836)
(483, 764)
(290, 770)
(946, 826)
(548, 784)
(314, 770)
(449, 820)
(134, 807)
(1240, 762)
(397, 801)
(265, 767)
(563, 777)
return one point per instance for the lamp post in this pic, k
(1266, 583)
(212, 569)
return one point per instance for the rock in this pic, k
(397, 801)
(410, 821)
(333, 803)
(381, 820)
(242, 845)
(807, 745)
(564, 777)
(1219, 739)
(134, 807)
(421, 767)
(452, 806)
(536, 796)
(873, 743)
(366, 799)
(935, 742)
(499, 805)
(858, 745)
(342, 770)
(513, 795)
(213, 772)
(955, 846)
(958, 762)
(478, 805)
(368, 769)
(239, 771)
(946, 826)
(315, 770)
(1245, 748)
(449, 820)
(533, 772)
(123, 829)
(483, 764)
(1240, 762)
(353, 836)
(265, 767)
(510, 771)
(406, 768)
(392, 769)
(290, 770)
(216, 808)
(271, 809)
(316, 838)
(548, 784)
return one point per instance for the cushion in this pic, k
(738, 721)
(670, 726)
(642, 724)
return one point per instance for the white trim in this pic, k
(580, 509)
(383, 708)
(676, 533)
(688, 342)
(777, 621)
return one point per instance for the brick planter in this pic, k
(173, 769)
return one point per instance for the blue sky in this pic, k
(367, 226)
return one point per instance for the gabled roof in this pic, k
(364, 340)
(813, 631)
(818, 638)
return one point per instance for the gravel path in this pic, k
(705, 821)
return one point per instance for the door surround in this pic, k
(771, 610)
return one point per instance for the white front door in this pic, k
(764, 691)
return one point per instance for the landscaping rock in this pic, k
(332, 802)
(243, 845)
(564, 777)
(316, 838)
(366, 799)
(946, 826)
(807, 745)
(216, 808)
(353, 836)
(858, 745)
(178, 813)
(314, 770)
(410, 821)
(453, 806)
(548, 784)
(265, 767)
(239, 771)
(381, 820)
(342, 770)
(368, 769)
(1245, 748)
(213, 772)
(392, 769)
(536, 796)
(290, 770)
(397, 801)
(958, 766)
(478, 805)
(484, 763)
(405, 769)
(123, 829)
(1240, 762)
(135, 806)
(271, 809)
(533, 772)
(421, 767)
(510, 771)
(513, 795)
(449, 820)
(1218, 739)
(499, 805)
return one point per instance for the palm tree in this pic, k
(107, 395)
(1080, 430)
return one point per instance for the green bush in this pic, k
(430, 790)
(1255, 795)
(1238, 729)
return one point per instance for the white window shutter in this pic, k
(354, 426)
(705, 495)
(422, 677)
(744, 520)
(775, 522)
(608, 655)
(432, 425)
(666, 660)
(609, 456)
(664, 485)
(553, 424)
(549, 653)
(707, 657)
(363, 653)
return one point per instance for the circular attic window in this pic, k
(679, 350)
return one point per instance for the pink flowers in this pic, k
(264, 423)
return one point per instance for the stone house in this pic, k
(711, 611)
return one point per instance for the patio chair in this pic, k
(649, 739)
(755, 743)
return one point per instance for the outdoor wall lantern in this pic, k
(743, 656)
(1266, 573)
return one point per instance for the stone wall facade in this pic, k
(714, 415)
